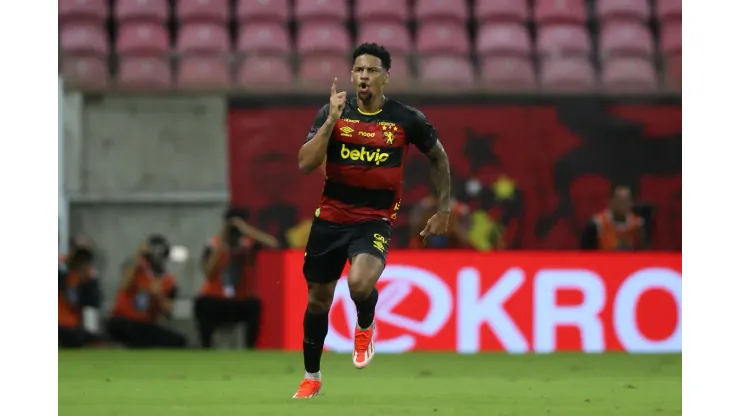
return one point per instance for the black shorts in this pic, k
(330, 245)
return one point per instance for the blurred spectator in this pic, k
(79, 297)
(228, 295)
(146, 293)
(617, 227)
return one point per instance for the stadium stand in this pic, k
(494, 43)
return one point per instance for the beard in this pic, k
(365, 97)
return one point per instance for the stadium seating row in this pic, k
(544, 11)
(508, 73)
(616, 38)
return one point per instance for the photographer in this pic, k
(228, 294)
(145, 294)
(79, 297)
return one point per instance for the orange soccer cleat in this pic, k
(308, 389)
(364, 346)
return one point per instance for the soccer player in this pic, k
(361, 143)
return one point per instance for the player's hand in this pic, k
(437, 225)
(336, 102)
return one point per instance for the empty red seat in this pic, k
(629, 74)
(85, 72)
(446, 71)
(563, 40)
(142, 38)
(381, 10)
(567, 74)
(501, 11)
(144, 73)
(668, 10)
(83, 39)
(321, 10)
(559, 11)
(503, 38)
(670, 37)
(319, 71)
(203, 38)
(94, 11)
(400, 72)
(193, 11)
(442, 38)
(152, 10)
(626, 38)
(508, 73)
(271, 72)
(429, 11)
(264, 38)
(393, 36)
(262, 10)
(623, 9)
(672, 70)
(325, 38)
(204, 72)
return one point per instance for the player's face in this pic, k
(368, 77)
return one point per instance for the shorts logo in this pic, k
(364, 155)
(366, 134)
(380, 242)
(347, 131)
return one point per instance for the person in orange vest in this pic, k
(79, 291)
(145, 294)
(229, 294)
(457, 235)
(617, 227)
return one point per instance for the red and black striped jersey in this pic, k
(365, 160)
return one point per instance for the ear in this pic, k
(387, 77)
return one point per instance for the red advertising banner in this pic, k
(537, 171)
(515, 302)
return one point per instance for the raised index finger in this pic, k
(334, 87)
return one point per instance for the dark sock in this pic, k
(315, 328)
(366, 309)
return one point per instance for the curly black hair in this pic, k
(375, 50)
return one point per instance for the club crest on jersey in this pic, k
(389, 133)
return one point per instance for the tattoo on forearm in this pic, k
(441, 175)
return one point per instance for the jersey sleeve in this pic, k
(318, 121)
(422, 134)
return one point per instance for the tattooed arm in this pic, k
(424, 137)
(441, 176)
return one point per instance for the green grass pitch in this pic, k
(149, 383)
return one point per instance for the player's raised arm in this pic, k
(313, 151)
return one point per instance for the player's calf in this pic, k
(364, 348)
(363, 275)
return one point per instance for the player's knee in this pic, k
(359, 289)
(318, 306)
(320, 298)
